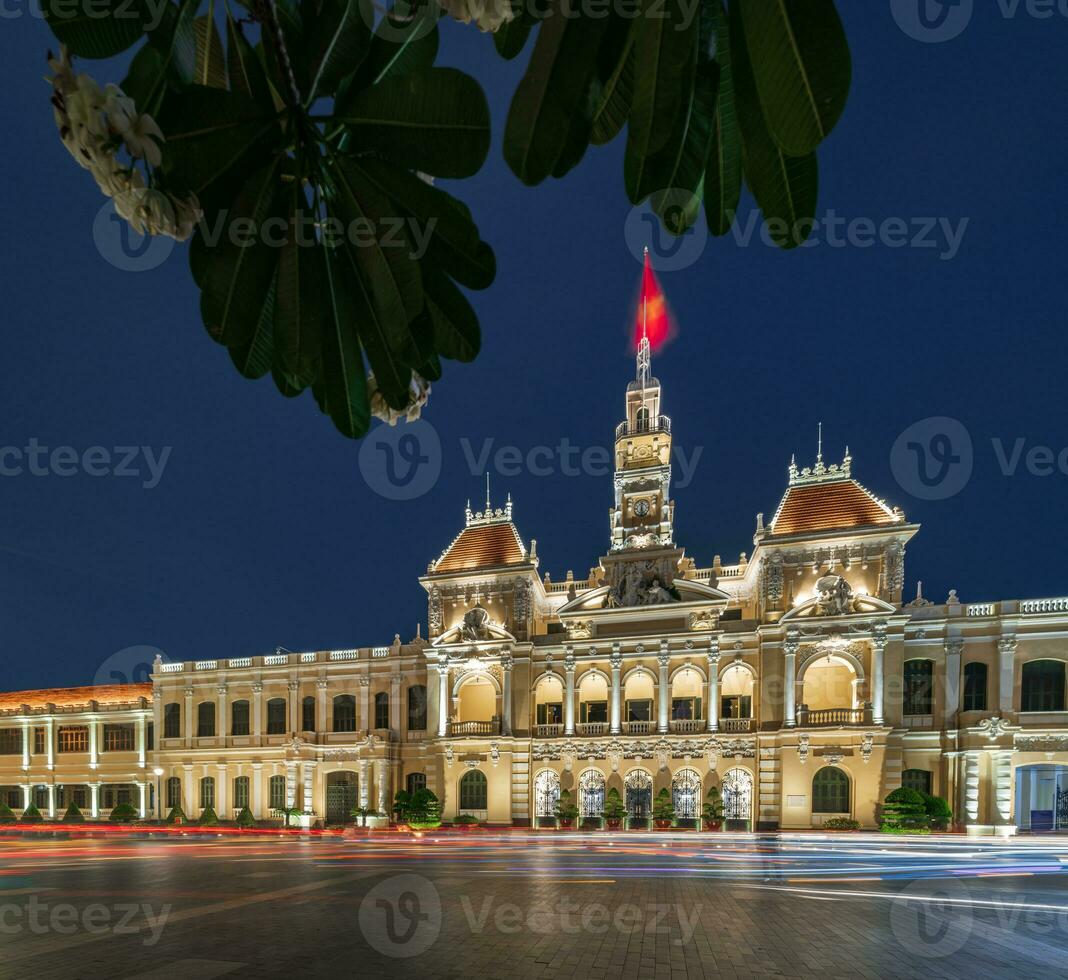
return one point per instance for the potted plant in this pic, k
(712, 812)
(123, 813)
(566, 811)
(245, 818)
(73, 814)
(663, 810)
(614, 810)
(285, 812)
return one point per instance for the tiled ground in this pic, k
(546, 906)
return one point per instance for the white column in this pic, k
(257, 790)
(94, 742)
(142, 740)
(506, 696)
(26, 734)
(664, 690)
(1006, 673)
(395, 702)
(27, 789)
(569, 694)
(790, 669)
(443, 700)
(954, 649)
(52, 800)
(971, 788)
(1002, 780)
(291, 784)
(365, 706)
(157, 716)
(222, 797)
(189, 799)
(257, 711)
(878, 670)
(617, 691)
(188, 717)
(320, 714)
(382, 785)
(364, 788)
(50, 735)
(309, 782)
(143, 787)
(712, 696)
(294, 706)
(221, 711)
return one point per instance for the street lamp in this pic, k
(157, 772)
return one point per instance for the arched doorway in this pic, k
(686, 796)
(342, 791)
(737, 790)
(1042, 798)
(591, 794)
(639, 792)
(830, 794)
(546, 795)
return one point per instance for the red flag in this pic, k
(653, 320)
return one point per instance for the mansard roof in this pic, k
(488, 540)
(827, 498)
(74, 697)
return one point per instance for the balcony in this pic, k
(592, 728)
(688, 726)
(548, 731)
(471, 729)
(639, 727)
(833, 717)
(736, 724)
(660, 424)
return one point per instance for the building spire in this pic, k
(644, 372)
(487, 491)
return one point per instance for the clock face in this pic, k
(641, 508)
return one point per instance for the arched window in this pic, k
(206, 719)
(642, 419)
(590, 793)
(307, 714)
(240, 792)
(974, 687)
(473, 791)
(1043, 686)
(546, 793)
(174, 792)
(172, 720)
(830, 790)
(919, 779)
(344, 713)
(239, 718)
(686, 794)
(207, 792)
(276, 716)
(381, 710)
(276, 792)
(417, 708)
(918, 678)
(415, 782)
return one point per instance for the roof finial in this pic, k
(487, 493)
(819, 442)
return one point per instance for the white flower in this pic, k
(119, 108)
(489, 15)
(418, 394)
(142, 137)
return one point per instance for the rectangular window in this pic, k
(685, 709)
(39, 743)
(918, 779)
(593, 712)
(73, 738)
(974, 687)
(207, 792)
(276, 716)
(1043, 686)
(174, 792)
(40, 798)
(239, 718)
(307, 719)
(10, 741)
(550, 714)
(381, 711)
(150, 735)
(918, 683)
(118, 738)
(640, 710)
(241, 792)
(278, 792)
(172, 721)
(737, 706)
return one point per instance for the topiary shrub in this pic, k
(208, 817)
(424, 812)
(663, 808)
(176, 816)
(245, 818)
(905, 812)
(465, 820)
(938, 812)
(31, 815)
(73, 814)
(7, 815)
(840, 823)
(123, 813)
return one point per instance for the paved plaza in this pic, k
(534, 905)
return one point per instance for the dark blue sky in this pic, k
(262, 530)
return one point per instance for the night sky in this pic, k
(262, 531)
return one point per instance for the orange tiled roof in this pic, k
(828, 506)
(481, 546)
(64, 697)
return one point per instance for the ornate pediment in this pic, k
(476, 627)
(834, 597)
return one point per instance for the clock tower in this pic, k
(642, 513)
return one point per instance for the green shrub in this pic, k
(840, 823)
(245, 818)
(208, 817)
(713, 808)
(938, 812)
(565, 809)
(402, 805)
(7, 815)
(464, 820)
(73, 814)
(176, 816)
(663, 808)
(31, 815)
(123, 813)
(424, 812)
(613, 805)
(905, 812)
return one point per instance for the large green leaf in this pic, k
(97, 30)
(455, 325)
(211, 61)
(614, 101)
(342, 391)
(176, 40)
(243, 262)
(511, 37)
(245, 69)
(253, 360)
(801, 64)
(436, 120)
(400, 47)
(786, 188)
(337, 42)
(301, 287)
(553, 91)
(723, 175)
